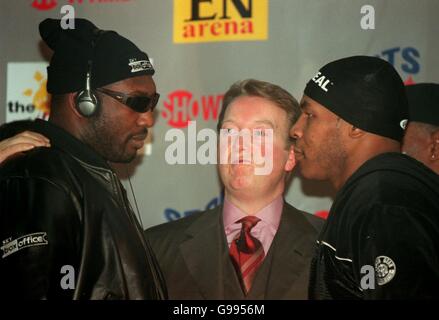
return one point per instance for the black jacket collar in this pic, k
(59, 139)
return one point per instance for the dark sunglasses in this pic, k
(139, 104)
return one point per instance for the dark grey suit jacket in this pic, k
(194, 257)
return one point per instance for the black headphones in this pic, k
(87, 102)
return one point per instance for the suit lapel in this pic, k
(206, 255)
(290, 249)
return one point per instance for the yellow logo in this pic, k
(40, 99)
(220, 20)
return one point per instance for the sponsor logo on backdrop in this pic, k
(173, 214)
(405, 59)
(26, 95)
(44, 5)
(182, 106)
(220, 20)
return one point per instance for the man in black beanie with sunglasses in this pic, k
(381, 238)
(67, 228)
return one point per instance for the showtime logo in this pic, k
(50, 4)
(181, 107)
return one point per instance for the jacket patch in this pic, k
(385, 269)
(10, 246)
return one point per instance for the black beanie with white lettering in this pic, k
(365, 91)
(109, 56)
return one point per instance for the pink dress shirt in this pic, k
(264, 230)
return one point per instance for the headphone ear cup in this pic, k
(87, 103)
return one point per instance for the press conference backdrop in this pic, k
(199, 48)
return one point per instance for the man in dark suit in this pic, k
(255, 245)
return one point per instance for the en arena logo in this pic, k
(51, 4)
(220, 20)
(26, 95)
(181, 107)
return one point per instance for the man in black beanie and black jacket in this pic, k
(381, 239)
(67, 228)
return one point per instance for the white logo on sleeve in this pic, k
(385, 270)
(403, 124)
(140, 65)
(322, 81)
(10, 246)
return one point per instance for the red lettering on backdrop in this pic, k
(218, 28)
(215, 29)
(44, 4)
(181, 107)
(211, 105)
(177, 108)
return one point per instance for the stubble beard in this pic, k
(99, 137)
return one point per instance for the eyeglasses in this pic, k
(139, 104)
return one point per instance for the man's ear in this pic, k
(291, 162)
(71, 102)
(355, 132)
(352, 131)
(434, 146)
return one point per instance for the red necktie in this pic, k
(247, 253)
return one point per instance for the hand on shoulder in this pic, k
(23, 141)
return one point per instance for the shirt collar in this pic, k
(270, 214)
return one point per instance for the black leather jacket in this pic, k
(67, 229)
